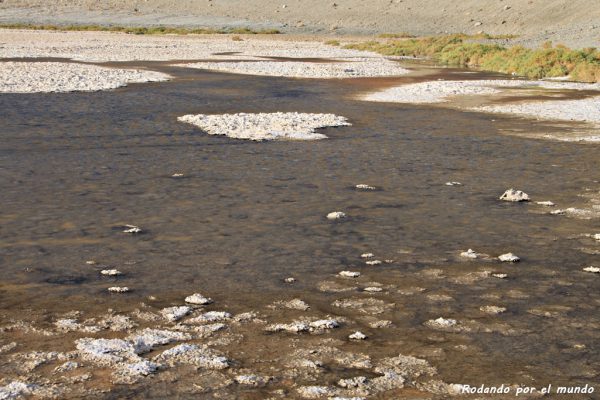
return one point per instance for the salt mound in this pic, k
(340, 68)
(266, 126)
(43, 77)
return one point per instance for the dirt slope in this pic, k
(573, 22)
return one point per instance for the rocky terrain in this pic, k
(574, 23)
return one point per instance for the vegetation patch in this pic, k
(156, 30)
(463, 50)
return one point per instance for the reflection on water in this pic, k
(247, 215)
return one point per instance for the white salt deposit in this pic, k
(367, 255)
(594, 270)
(266, 126)
(373, 262)
(42, 77)
(175, 313)
(492, 309)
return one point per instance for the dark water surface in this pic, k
(74, 167)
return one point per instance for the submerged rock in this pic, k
(294, 304)
(294, 327)
(335, 215)
(514, 195)
(509, 257)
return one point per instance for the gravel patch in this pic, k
(266, 126)
(342, 68)
(443, 91)
(44, 77)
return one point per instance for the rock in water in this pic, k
(336, 215)
(514, 195)
(509, 257)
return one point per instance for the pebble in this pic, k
(509, 257)
(177, 175)
(118, 289)
(289, 280)
(132, 229)
(500, 276)
(545, 203)
(357, 336)
(367, 255)
(362, 186)
(373, 262)
(594, 270)
(336, 215)
(453, 184)
(596, 236)
(441, 322)
(111, 272)
(514, 195)
(492, 309)
(373, 289)
(349, 274)
(90, 262)
(197, 298)
(469, 254)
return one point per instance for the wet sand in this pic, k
(76, 167)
